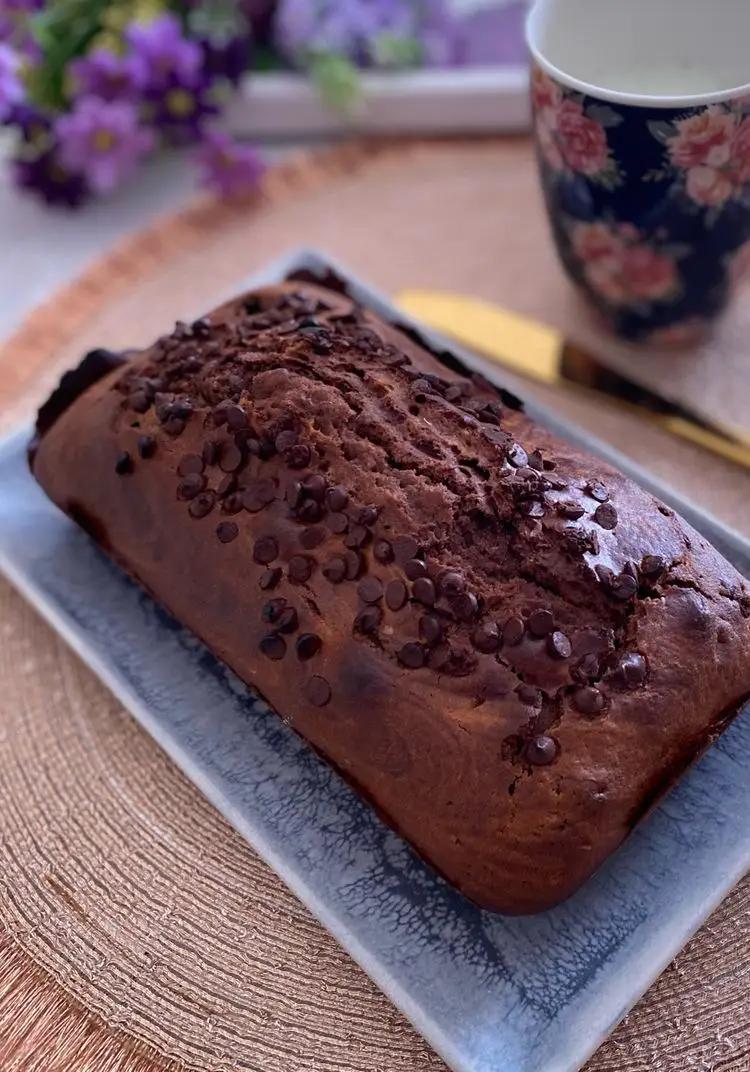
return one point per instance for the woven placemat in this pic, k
(138, 930)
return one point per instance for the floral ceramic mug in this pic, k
(642, 127)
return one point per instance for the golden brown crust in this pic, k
(506, 645)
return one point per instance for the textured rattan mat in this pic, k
(138, 931)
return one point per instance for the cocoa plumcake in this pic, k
(507, 647)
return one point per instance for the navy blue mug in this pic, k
(642, 129)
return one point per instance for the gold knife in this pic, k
(542, 353)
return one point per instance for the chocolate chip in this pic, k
(451, 584)
(357, 536)
(232, 504)
(559, 646)
(335, 570)
(211, 452)
(273, 646)
(265, 550)
(382, 551)
(219, 412)
(517, 456)
(652, 566)
(624, 587)
(318, 691)
(370, 590)
(424, 592)
(412, 655)
(589, 700)
(236, 418)
(368, 620)
(231, 457)
(308, 645)
(310, 511)
(139, 400)
(396, 594)
(272, 610)
(454, 392)
(201, 328)
(540, 623)
(270, 578)
(226, 486)
(632, 671)
(227, 531)
(337, 523)
(146, 446)
(430, 629)
(354, 565)
(123, 463)
(529, 696)
(202, 504)
(314, 486)
(367, 515)
(312, 538)
(294, 494)
(300, 568)
(486, 638)
(415, 568)
(571, 510)
(723, 634)
(588, 667)
(190, 464)
(405, 547)
(541, 751)
(597, 491)
(536, 461)
(285, 440)
(287, 621)
(258, 494)
(336, 499)
(298, 456)
(606, 576)
(191, 486)
(513, 631)
(466, 606)
(606, 516)
(174, 426)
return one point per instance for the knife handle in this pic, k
(731, 450)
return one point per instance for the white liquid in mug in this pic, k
(673, 79)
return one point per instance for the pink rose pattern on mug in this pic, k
(650, 207)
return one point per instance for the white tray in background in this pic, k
(477, 100)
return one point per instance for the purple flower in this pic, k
(365, 31)
(226, 59)
(228, 167)
(180, 109)
(11, 89)
(45, 176)
(33, 125)
(111, 77)
(20, 7)
(102, 140)
(164, 50)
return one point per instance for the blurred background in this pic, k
(113, 113)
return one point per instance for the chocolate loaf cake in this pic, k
(510, 649)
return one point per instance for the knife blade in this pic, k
(540, 352)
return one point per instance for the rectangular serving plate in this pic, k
(490, 993)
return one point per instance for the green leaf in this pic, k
(604, 115)
(337, 80)
(661, 129)
(392, 51)
(63, 31)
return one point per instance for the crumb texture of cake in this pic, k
(509, 648)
